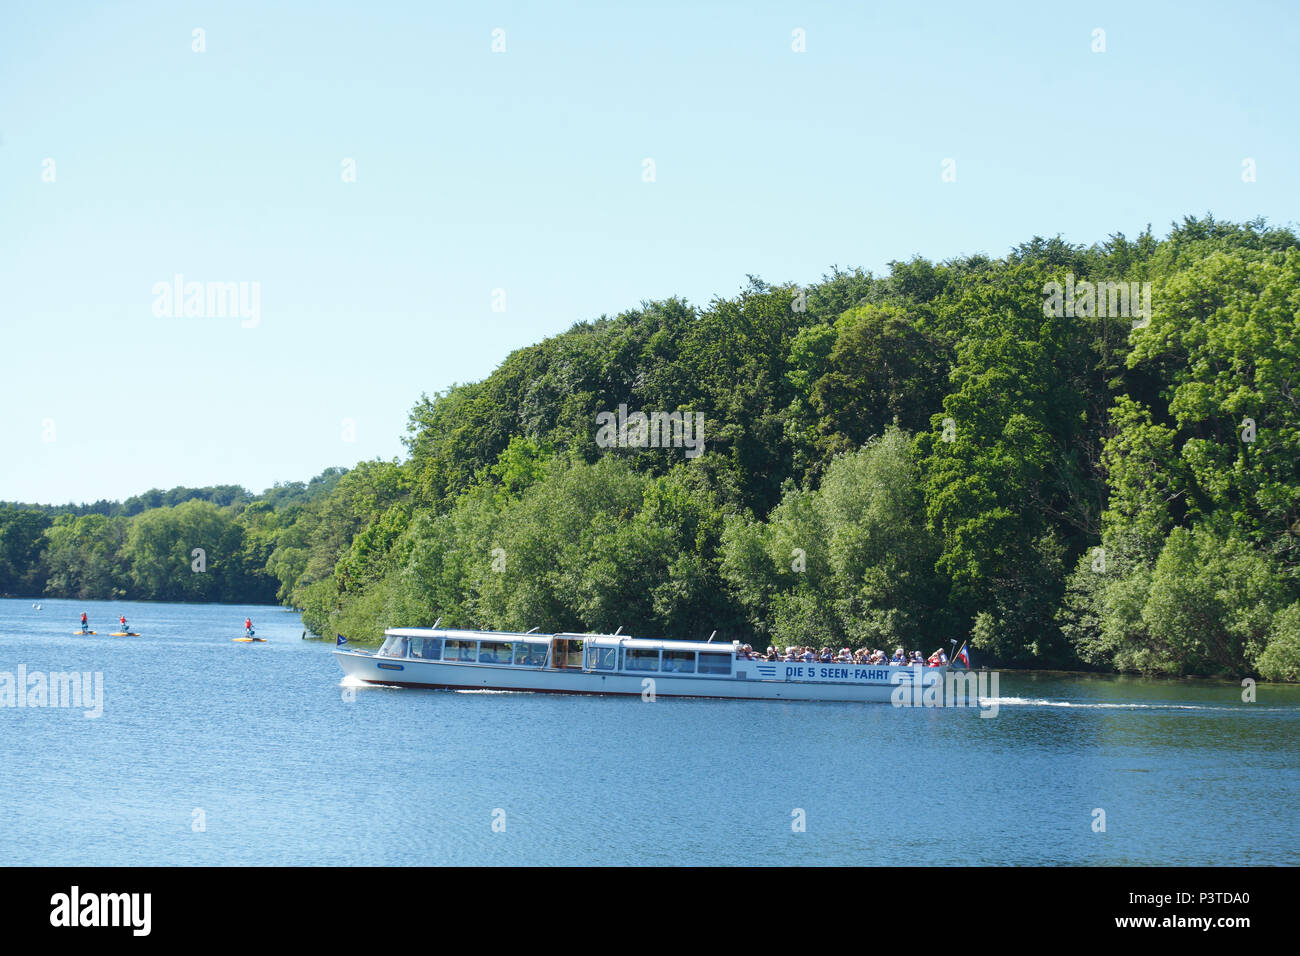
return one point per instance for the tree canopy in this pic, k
(1013, 451)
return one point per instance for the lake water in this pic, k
(212, 752)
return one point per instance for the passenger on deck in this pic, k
(771, 654)
(808, 656)
(846, 656)
(900, 656)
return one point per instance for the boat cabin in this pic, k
(563, 651)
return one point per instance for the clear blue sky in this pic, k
(522, 170)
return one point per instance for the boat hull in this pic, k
(409, 672)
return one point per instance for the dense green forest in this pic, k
(143, 548)
(1013, 450)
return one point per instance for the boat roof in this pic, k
(456, 634)
(599, 640)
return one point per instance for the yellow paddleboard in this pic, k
(124, 634)
(249, 640)
(78, 633)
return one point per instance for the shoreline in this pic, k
(1019, 669)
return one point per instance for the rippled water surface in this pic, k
(213, 752)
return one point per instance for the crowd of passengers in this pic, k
(826, 656)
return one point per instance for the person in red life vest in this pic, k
(84, 620)
(122, 620)
(248, 627)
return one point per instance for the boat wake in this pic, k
(1091, 705)
(484, 690)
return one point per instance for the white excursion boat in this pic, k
(617, 664)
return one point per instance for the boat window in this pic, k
(460, 651)
(493, 652)
(680, 662)
(529, 653)
(712, 663)
(426, 648)
(601, 658)
(394, 646)
(641, 659)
